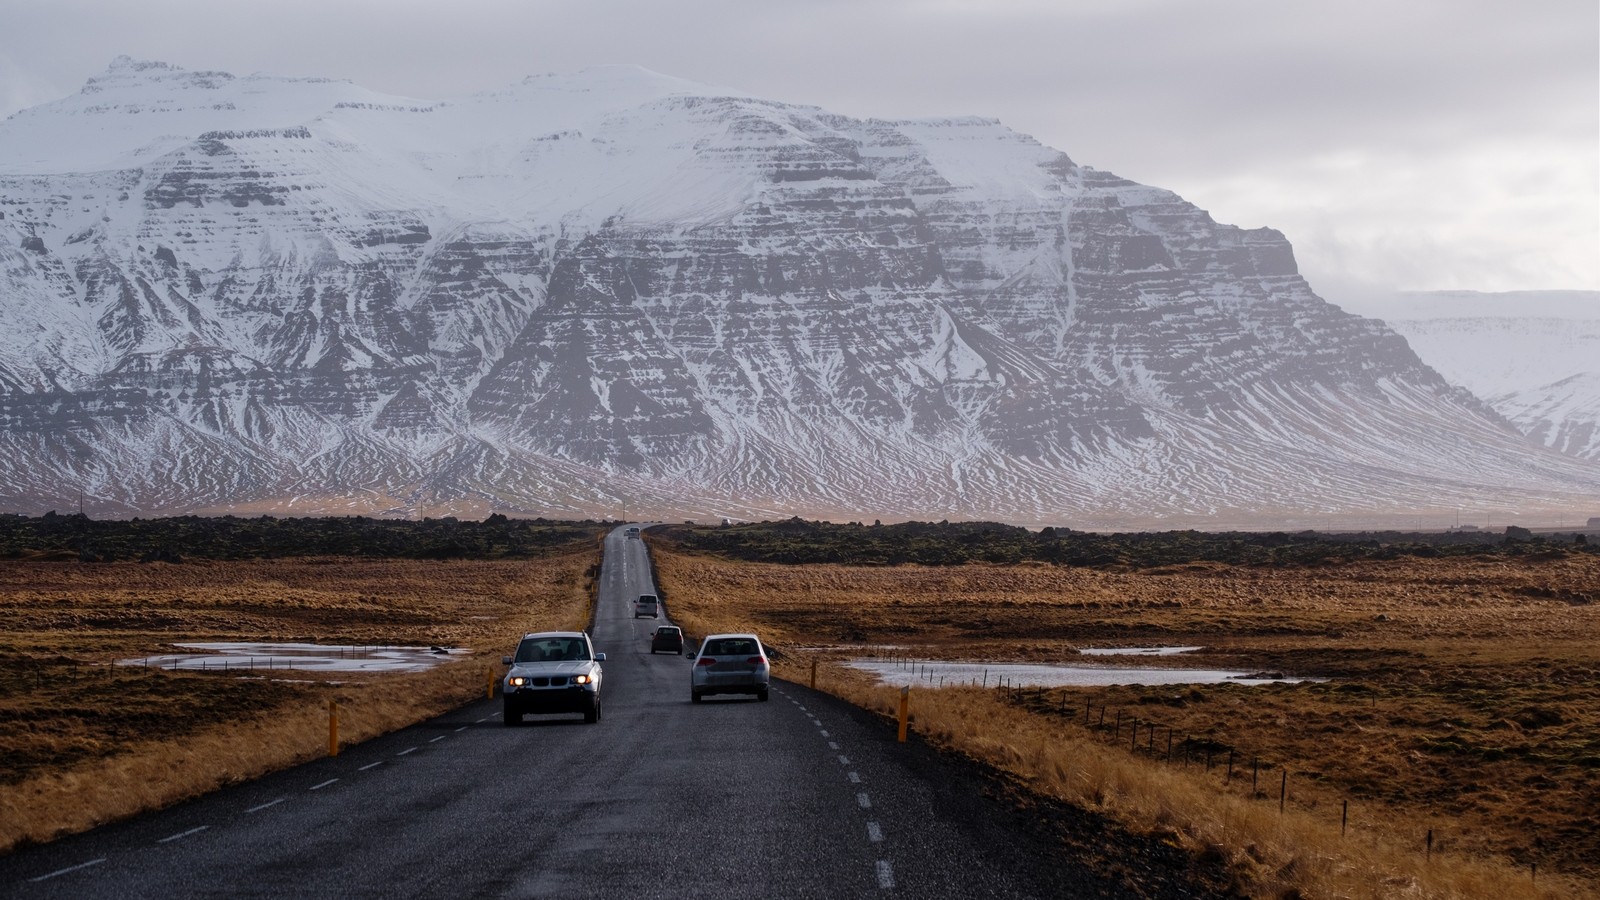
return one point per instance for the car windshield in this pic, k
(559, 649)
(730, 647)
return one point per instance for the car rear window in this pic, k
(731, 647)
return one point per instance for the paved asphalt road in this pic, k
(801, 796)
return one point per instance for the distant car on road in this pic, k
(647, 605)
(553, 672)
(633, 531)
(668, 638)
(729, 664)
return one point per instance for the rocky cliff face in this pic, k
(619, 293)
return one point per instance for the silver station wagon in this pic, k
(729, 664)
(553, 672)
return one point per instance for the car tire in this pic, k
(761, 695)
(591, 713)
(513, 717)
(694, 696)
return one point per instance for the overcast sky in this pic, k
(1421, 145)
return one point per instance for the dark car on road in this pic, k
(668, 638)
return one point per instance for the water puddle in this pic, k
(950, 674)
(1136, 651)
(267, 658)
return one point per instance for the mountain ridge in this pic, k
(620, 291)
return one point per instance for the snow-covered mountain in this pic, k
(620, 293)
(1533, 355)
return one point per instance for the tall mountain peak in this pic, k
(616, 290)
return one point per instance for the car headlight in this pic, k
(516, 681)
(582, 679)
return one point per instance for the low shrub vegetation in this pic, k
(86, 740)
(1461, 700)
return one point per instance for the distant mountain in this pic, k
(1533, 355)
(619, 293)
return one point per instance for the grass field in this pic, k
(1463, 699)
(86, 741)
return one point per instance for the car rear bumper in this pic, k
(731, 687)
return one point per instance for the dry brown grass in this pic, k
(87, 742)
(1464, 699)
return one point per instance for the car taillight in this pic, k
(757, 660)
(706, 661)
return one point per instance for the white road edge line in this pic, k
(47, 876)
(462, 728)
(885, 875)
(318, 787)
(437, 739)
(265, 805)
(864, 801)
(874, 832)
(183, 834)
(854, 778)
(370, 765)
(407, 750)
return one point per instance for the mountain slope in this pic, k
(1533, 355)
(620, 293)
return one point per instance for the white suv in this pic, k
(552, 672)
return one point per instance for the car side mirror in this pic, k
(505, 660)
(599, 657)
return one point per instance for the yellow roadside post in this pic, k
(333, 728)
(905, 710)
(813, 673)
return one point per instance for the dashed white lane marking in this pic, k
(370, 765)
(874, 833)
(833, 745)
(864, 801)
(482, 720)
(462, 728)
(437, 739)
(854, 778)
(885, 875)
(183, 834)
(844, 760)
(49, 875)
(265, 805)
(824, 732)
(318, 787)
(407, 750)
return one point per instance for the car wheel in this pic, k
(695, 696)
(761, 695)
(513, 716)
(592, 713)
